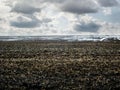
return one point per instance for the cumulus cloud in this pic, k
(86, 23)
(39, 17)
(28, 21)
(83, 6)
(54, 1)
(46, 20)
(109, 29)
(24, 8)
(107, 3)
(25, 22)
(87, 27)
(107, 11)
(79, 6)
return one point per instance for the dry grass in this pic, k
(50, 65)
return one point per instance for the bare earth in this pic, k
(55, 65)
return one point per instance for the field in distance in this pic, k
(59, 65)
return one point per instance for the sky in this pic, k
(59, 17)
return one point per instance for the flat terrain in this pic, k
(55, 65)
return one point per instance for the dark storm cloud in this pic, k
(79, 6)
(71, 6)
(75, 7)
(24, 8)
(108, 3)
(28, 21)
(87, 27)
(0, 19)
(54, 1)
(82, 6)
(21, 22)
(46, 20)
(78, 10)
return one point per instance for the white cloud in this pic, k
(38, 17)
(109, 29)
(107, 11)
